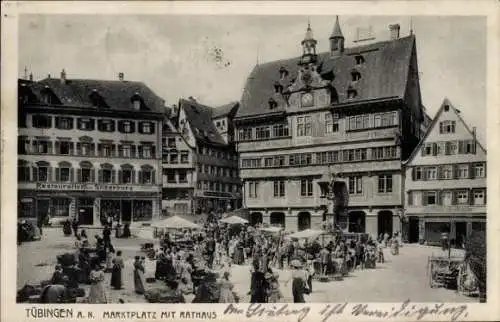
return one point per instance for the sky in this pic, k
(209, 57)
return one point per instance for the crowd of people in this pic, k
(200, 265)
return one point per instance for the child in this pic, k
(380, 253)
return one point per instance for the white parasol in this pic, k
(175, 222)
(307, 234)
(234, 220)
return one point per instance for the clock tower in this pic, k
(308, 48)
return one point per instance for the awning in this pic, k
(271, 229)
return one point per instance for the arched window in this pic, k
(351, 92)
(86, 173)
(355, 75)
(147, 175)
(42, 172)
(107, 173)
(126, 174)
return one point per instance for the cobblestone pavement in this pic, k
(402, 277)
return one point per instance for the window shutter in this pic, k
(132, 127)
(92, 175)
(424, 174)
(120, 127)
(78, 148)
(120, 176)
(153, 152)
(79, 123)
(447, 148)
(49, 174)
(71, 148)
(140, 128)
(140, 177)
(485, 194)
(133, 150)
(461, 148)
(410, 198)
(50, 148)
(113, 126)
(99, 149)
(71, 175)
(422, 151)
(438, 197)
(100, 176)
(453, 197)
(58, 147)
(35, 173)
(153, 176)
(454, 170)
(471, 196)
(133, 179)
(153, 127)
(471, 171)
(79, 175)
(58, 172)
(113, 176)
(434, 148)
(139, 151)
(424, 198)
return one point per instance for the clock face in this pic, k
(307, 99)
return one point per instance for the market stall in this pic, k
(234, 220)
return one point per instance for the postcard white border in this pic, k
(9, 73)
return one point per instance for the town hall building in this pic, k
(352, 113)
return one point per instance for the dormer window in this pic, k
(278, 88)
(48, 97)
(96, 99)
(283, 73)
(137, 102)
(334, 96)
(446, 108)
(355, 75)
(272, 104)
(359, 59)
(351, 93)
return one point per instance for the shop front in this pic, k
(431, 229)
(91, 204)
(216, 201)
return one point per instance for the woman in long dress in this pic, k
(299, 282)
(274, 293)
(139, 275)
(97, 294)
(394, 245)
(226, 289)
(116, 274)
(109, 261)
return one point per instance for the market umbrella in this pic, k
(271, 229)
(307, 233)
(175, 222)
(234, 220)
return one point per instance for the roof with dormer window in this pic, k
(385, 73)
(79, 93)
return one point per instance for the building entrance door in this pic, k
(85, 211)
(460, 233)
(126, 211)
(413, 230)
(42, 209)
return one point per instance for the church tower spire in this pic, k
(308, 47)
(337, 40)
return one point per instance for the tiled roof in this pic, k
(199, 117)
(446, 102)
(225, 110)
(116, 94)
(384, 74)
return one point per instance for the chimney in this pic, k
(63, 76)
(121, 76)
(31, 77)
(394, 30)
(48, 76)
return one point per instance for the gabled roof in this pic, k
(199, 117)
(384, 74)
(116, 94)
(227, 110)
(446, 102)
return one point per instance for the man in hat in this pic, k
(258, 286)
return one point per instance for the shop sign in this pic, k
(86, 187)
(217, 194)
